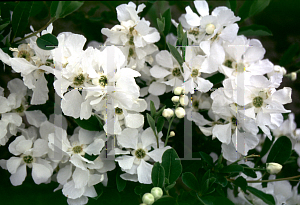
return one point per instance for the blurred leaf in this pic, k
(159, 113)
(161, 24)
(91, 124)
(190, 181)
(165, 200)
(92, 11)
(241, 182)
(258, 6)
(266, 146)
(151, 122)
(289, 54)
(280, 151)
(121, 183)
(3, 25)
(221, 180)
(255, 30)
(170, 186)
(167, 21)
(37, 7)
(60, 9)
(176, 54)
(231, 4)
(216, 200)
(160, 124)
(172, 165)
(232, 168)
(179, 35)
(207, 185)
(149, 4)
(205, 157)
(267, 198)
(244, 10)
(47, 42)
(158, 175)
(20, 17)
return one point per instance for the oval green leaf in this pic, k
(47, 42)
(158, 175)
(190, 181)
(172, 165)
(280, 151)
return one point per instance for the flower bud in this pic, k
(293, 76)
(273, 168)
(279, 69)
(184, 100)
(168, 113)
(157, 192)
(178, 91)
(210, 28)
(172, 134)
(148, 199)
(180, 112)
(175, 99)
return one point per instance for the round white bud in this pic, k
(172, 134)
(210, 28)
(180, 112)
(178, 91)
(293, 76)
(168, 113)
(184, 100)
(273, 168)
(148, 199)
(279, 69)
(175, 99)
(157, 192)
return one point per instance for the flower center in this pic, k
(194, 32)
(228, 63)
(20, 109)
(234, 121)
(195, 73)
(176, 72)
(103, 80)
(195, 104)
(131, 52)
(257, 102)
(78, 80)
(77, 149)
(118, 111)
(210, 28)
(28, 159)
(240, 67)
(140, 153)
(24, 54)
(131, 41)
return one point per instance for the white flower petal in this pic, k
(125, 161)
(70, 191)
(156, 154)
(71, 103)
(128, 138)
(17, 178)
(157, 88)
(159, 72)
(40, 148)
(134, 120)
(202, 7)
(35, 117)
(148, 137)
(223, 133)
(13, 163)
(64, 174)
(80, 177)
(144, 172)
(40, 173)
(95, 147)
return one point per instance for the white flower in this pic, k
(29, 154)
(273, 168)
(140, 144)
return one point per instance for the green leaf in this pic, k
(91, 124)
(241, 182)
(160, 124)
(266, 146)
(258, 6)
(165, 200)
(4, 25)
(207, 185)
(60, 9)
(90, 157)
(267, 198)
(47, 42)
(176, 54)
(249, 172)
(217, 78)
(167, 16)
(232, 168)
(190, 181)
(20, 17)
(289, 54)
(255, 30)
(121, 183)
(161, 24)
(170, 186)
(221, 180)
(159, 113)
(152, 108)
(205, 157)
(231, 4)
(151, 122)
(158, 175)
(92, 11)
(280, 151)
(172, 165)
(37, 7)
(244, 10)
(179, 34)
(216, 200)
(99, 189)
